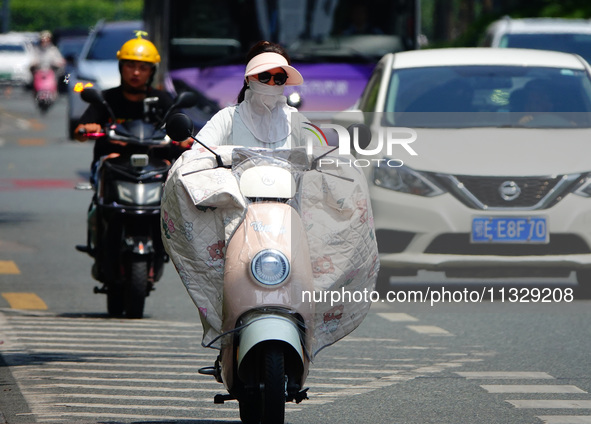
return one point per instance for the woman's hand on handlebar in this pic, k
(84, 132)
(186, 144)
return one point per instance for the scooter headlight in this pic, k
(139, 194)
(270, 267)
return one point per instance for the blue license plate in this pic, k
(509, 230)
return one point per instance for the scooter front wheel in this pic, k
(267, 405)
(275, 385)
(136, 290)
(115, 305)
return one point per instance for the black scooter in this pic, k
(124, 216)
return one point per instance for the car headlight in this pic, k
(405, 180)
(139, 194)
(584, 188)
(270, 267)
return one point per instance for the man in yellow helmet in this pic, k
(138, 59)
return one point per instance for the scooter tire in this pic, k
(273, 395)
(136, 290)
(250, 410)
(267, 406)
(115, 303)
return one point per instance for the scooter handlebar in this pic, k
(95, 135)
(91, 135)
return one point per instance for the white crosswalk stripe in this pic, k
(563, 390)
(565, 419)
(71, 369)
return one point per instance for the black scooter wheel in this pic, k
(136, 290)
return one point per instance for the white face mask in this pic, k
(265, 89)
(264, 93)
(264, 111)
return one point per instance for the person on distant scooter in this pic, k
(47, 55)
(138, 59)
(46, 64)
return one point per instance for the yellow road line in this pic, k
(8, 267)
(31, 141)
(24, 301)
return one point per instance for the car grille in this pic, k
(479, 192)
(459, 244)
(487, 190)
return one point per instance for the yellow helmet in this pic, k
(139, 49)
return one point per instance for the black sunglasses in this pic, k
(279, 78)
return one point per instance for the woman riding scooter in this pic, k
(47, 63)
(250, 221)
(262, 117)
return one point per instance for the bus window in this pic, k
(335, 44)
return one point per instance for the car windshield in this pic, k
(71, 47)
(497, 96)
(107, 42)
(570, 43)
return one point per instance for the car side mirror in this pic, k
(361, 133)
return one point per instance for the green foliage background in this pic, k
(36, 15)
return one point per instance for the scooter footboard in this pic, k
(270, 328)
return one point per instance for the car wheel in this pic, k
(584, 280)
(383, 282)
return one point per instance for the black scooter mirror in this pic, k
(91, 95)
(363, 135)
(186, 99)
(179, 127)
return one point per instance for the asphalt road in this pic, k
(484, 360)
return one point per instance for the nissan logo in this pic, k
(509, 190)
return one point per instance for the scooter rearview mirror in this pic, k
(90, 95)
(186, 99)
(179, 127)
(93, 96)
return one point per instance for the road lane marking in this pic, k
(505, 375)
(37, 184)
(31, 141)
(9, 267)
(565, 419)
(29, 301)
(531, 388)
(111, 387)
(103, 415)
(72, 362)
(397, 316)
(429, 330)
(551, 403)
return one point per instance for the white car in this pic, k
(496, 187)
(560, 34)
(16, 54)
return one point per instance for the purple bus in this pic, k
(335, 44)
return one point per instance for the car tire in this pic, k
(584, 280)
(383, 282)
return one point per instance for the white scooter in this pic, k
(267, 329)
